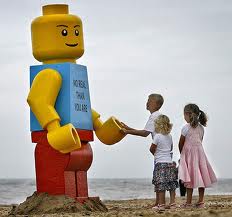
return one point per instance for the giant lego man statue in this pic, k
(62, 120)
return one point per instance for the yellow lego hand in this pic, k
(109, 132)
(64, 139)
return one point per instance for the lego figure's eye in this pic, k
(76, 32)
(64, 32)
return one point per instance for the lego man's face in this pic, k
(57, 37)
(69, 35)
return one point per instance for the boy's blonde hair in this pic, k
(163, 125)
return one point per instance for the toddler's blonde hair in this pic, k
(163, 125)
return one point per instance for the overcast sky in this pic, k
(181, 49)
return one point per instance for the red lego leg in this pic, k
(50, 165)
(82, 184)
(70, 184)
(80, 162)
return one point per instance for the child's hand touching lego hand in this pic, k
(123, 125)
(123, 130)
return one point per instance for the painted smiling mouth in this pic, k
(72, 45)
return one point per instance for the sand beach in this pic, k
(215, 206)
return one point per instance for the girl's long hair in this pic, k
(196, 115)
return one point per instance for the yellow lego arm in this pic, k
(108, 132)
(42, 97)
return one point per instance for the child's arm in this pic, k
(135, 132)
(181, 142)
(126, 127)
(131, 131)
(184, 132)
(153, 148)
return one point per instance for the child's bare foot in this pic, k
(200, 204)
(152, 205)
(186, 206)
(155, 207)
(159, 208)
(171, 206)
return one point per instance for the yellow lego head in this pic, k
(57, 36)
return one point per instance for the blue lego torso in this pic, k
(73, 101)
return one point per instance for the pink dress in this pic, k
(195, 170)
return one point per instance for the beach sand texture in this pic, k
(215, 206)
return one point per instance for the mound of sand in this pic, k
(44, 203)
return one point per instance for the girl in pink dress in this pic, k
(194, 169)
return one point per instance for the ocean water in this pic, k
(14, 191)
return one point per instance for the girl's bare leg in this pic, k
(161, 197)
(189, 195)
(172, 197)
(201, 192)
(156, 198)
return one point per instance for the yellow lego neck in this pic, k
(59, 61)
